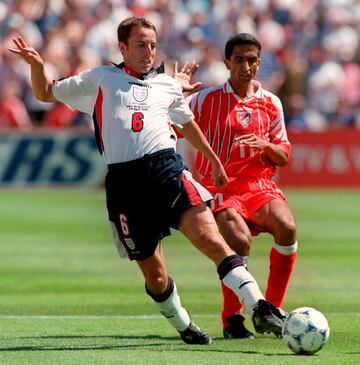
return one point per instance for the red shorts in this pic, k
(245, 194)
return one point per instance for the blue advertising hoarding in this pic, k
(46, 158)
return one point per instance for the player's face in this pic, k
(243, 64)
(140, 50)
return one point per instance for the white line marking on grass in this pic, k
(104, 317)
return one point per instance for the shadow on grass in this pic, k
(153, 342)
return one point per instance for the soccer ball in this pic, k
(305, 331)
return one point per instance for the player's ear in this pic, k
(122, 47)
(226, 61)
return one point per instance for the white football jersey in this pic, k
(132, 117)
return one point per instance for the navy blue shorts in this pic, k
(146, 197)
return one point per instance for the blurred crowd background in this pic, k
(310, 57)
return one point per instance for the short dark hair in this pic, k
(126, 26)
(240, 39)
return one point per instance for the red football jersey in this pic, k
(222, 115)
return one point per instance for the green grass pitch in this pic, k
(66, 297)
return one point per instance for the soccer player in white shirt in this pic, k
(148, 189)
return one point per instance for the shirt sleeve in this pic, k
(179, 110)
(278, 134)
(78, 92)
(192, 101)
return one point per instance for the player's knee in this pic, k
(156, 284)
(290, 227)
(287, 231)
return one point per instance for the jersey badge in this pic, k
(140, 94)
(244, 117)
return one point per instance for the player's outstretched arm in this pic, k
(41, 82)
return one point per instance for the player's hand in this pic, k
(252, 140)
(185, 74)
(219, 177)
(28, 54)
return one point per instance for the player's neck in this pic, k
(243, 91)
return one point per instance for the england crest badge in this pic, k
(140, 94)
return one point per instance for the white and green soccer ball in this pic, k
(305, 330)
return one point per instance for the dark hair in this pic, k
(126, 26)
(240, 39)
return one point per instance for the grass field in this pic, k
(66, 298)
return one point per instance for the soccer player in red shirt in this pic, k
(245, 126)
(148, 188)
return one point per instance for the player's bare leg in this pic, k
(155, 272)
(162, 289)
(199, 225)
(276, 218)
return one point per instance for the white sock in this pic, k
(172, 310)
(286, 250)
(244, 286)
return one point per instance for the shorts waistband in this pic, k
(149, 156)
